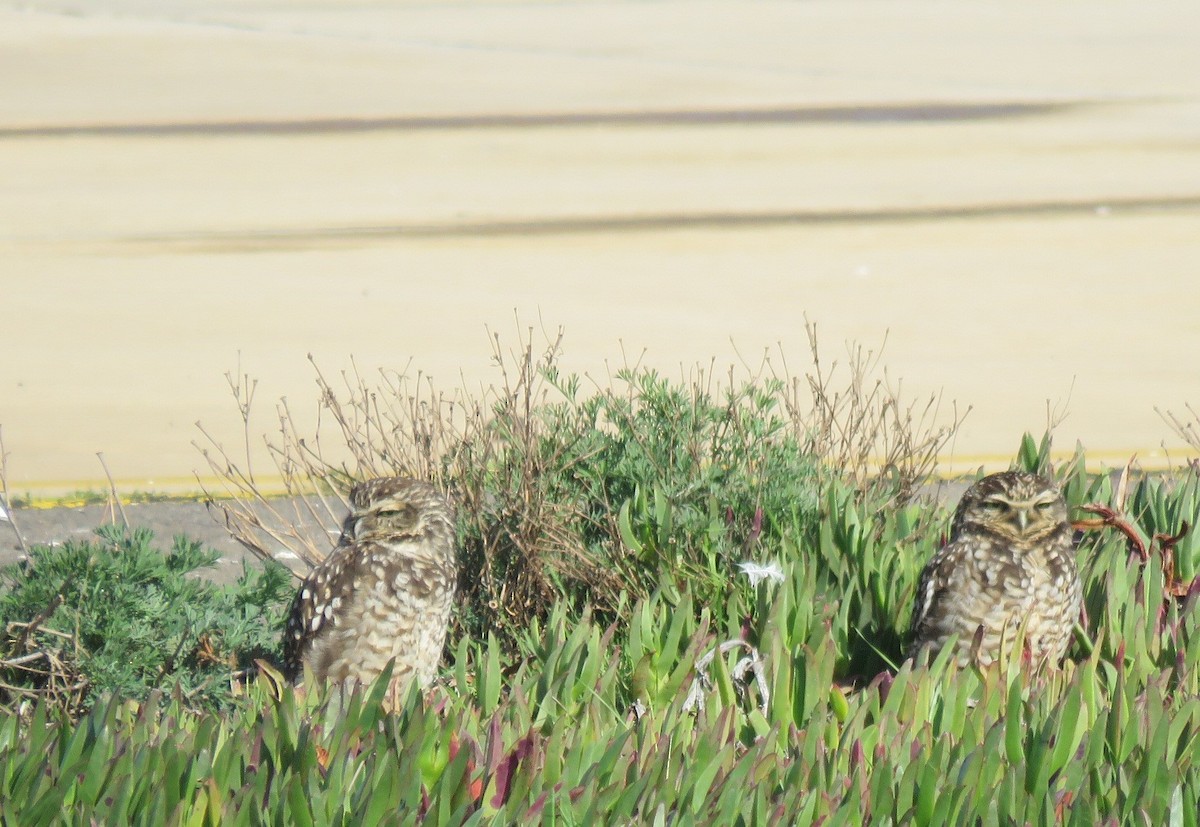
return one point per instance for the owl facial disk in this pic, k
(1026, 518)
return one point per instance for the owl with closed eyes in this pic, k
(1008, 569)
(383, 594)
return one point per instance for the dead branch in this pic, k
(6, 510)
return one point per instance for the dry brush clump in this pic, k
(590, 491)
(861, 425)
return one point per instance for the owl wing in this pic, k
(935, 584)
(416, 583)
(328, 587)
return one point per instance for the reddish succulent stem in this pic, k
(1165, 543)
(1108, 517)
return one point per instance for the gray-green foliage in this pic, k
(118, 615)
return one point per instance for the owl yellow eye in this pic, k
(391, 512)
(995, 506)
(1046, 506)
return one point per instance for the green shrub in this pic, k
(596, 722)
(612, 495)
(601, 536)
(118, 616)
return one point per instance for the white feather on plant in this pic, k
(758, 572)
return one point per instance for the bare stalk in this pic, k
(858, 421)
(112, 492)
(1186, 428)
(243, 387)
(5, 500)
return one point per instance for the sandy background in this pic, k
(1009, 191)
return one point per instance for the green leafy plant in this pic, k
(656, 483)
(118, 616)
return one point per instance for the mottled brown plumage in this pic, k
(384, 592)
(1008, 568)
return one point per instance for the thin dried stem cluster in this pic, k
(41, 664)
(395, 424)
(502, 469)
(487, 451)
(1187, 428)
(856, 420)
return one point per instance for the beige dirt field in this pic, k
(1009, 193)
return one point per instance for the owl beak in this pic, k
(1022, 519)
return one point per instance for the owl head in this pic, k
(1014, 505)
(393, 508)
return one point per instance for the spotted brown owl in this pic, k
(1009, 566)
(384, 592)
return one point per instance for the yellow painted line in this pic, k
(78, 493)
(59, 493)
(1095, 461)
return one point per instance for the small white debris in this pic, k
(3, 514)
(1103, 209)
(284, 554)
(751, 663)
(757, 572)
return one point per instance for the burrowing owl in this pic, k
(1009, 566)
(384, 592)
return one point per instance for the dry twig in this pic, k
(862, 427)
(112, 493)
(6, 512)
